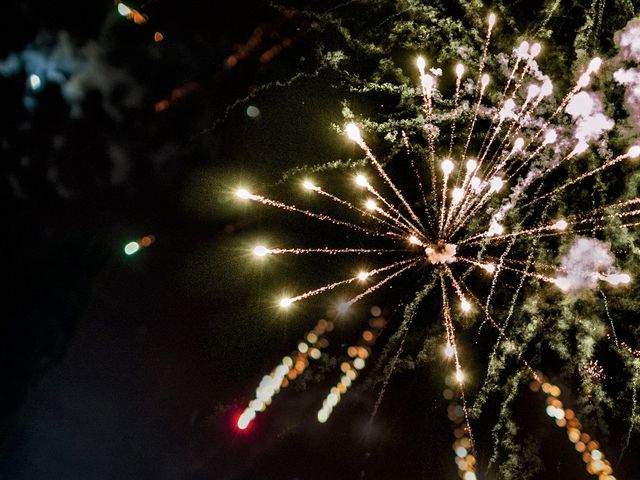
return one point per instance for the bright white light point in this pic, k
(496, 184)
(245, 419)
(547, 88)
(34, 81)
(459, 376)
(457, 194)
(363, 275)
(489, 267)
(448, 350)
(485, 80)
(371, 205)
(242, 193)
(362, 181)
(523, 48)
(123, 9)
(634, 152)
(475, 182)
(465, 305)
(358, 363)
(353, 132)
(447, 166)
(459, 70)
(492, 20)
(308, 185)
(625, 278)
(131, 248)
(421, 62)
(469, 476)
(533, 91)
(550, 136)
(594, 65)
(580, 147)
(323, 416)
(285, 302)
(518, 144)
(427, 82)
(584, 80)
(471, 165)
(414, 240)
(535, 50)
(260, 251)
(560, 225)
(343, 307)
(562, 283)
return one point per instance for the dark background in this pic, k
(137, 367)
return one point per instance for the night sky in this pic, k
(137, 367)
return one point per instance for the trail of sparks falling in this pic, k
(459, 231)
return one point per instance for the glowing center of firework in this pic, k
(441, 252)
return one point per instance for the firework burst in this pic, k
(489, 166)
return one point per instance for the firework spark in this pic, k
(480, 201)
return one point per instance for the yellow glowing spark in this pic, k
(309, 185)
(343, 307)
(465, 305)
(363, 275)
(459, 376)
(131, 248)
(371, 205)
(241, 192)
(594, 65)
(448, 350)
(457, 194)
(447, 166)
(634, 152)
(285, 302)
(459, 70)
(414, 240)
(496, 184)
(489, 267)
(260, 251)
(560, 225)
(471, 165)
(362, 180)
(123, 10)
(492, 20)
(353, 132)
(485, 80)
(422, 63)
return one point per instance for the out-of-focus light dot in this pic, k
(123, 10)
(260, 251)
(287, 361)
(447, 166)
(323, 416)
(376, 311)
(459, 376)
(253, 111)
(358, 363)
(285, 302)
(353, 132)
(343, 307)
(34, 81)
(131, 248)
(303, 347)
(315, 353)
(469, 476)
(158, 37)
(634, 152)
(461, 451)
(363, 275)
(312, 338)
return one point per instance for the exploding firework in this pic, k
(483, 218)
